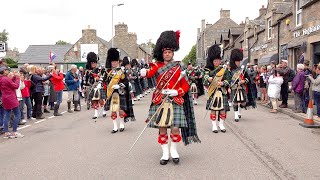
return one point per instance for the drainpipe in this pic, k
(279, 23)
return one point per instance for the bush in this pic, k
(11, 62)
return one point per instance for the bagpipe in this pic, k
(216, 102)
(236, 80)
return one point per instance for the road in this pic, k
(260, 146)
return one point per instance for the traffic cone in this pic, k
(308, 122)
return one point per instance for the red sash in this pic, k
(162, 83)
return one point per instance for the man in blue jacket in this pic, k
(72, 82)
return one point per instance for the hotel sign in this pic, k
(306, 31)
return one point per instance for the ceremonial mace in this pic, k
(182, 74)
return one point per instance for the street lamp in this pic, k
(112, 21)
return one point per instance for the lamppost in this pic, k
(112, 21)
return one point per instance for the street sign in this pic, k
(2, 47)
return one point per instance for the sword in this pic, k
(182, 74)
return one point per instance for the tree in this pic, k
(11, 62)
(4, 36)
(61, 42)
(191, 57)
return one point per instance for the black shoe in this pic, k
(239, 116)
(104, 115)
(57, 114)
(113, 131)
(46, 111)
(223, 130)
(41, 117)
(215, 131)
(175, 160)
(121, 129)
(236, 120)
(94, 117)
(163, 161)
(51, 108)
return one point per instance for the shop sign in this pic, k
(306, 31)
(258, 48)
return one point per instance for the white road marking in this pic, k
(23, 127)
(63, 112)
(50, 117)
(40, 121)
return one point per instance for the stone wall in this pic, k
(89, 36)
(125, 40)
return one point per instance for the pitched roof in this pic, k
(39, 54)
(235, 30)
(281, 7)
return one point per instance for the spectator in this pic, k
(72, 81)
(284, 71)
(38, 90)
(275, 81)
(297, 88)
(316, 89)
(46, 91)
(57, 81)
(307, 84)
(9, 82)
(26, 98)
(52, 93)
(1, 112)
(263, 85)
(22, 121)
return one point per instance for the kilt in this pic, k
(123, 103)
(179, 119)
(243, 91)
(132, 88)
(194, 88)
(226, 106)
(103, 94)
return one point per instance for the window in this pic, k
(269, 29)
(298, 13)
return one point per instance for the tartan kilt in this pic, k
(226, 106)
(179, 119)
(103, 94)
(243, 91)
(132, 88)
(123, 103)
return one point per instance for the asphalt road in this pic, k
(260, 146)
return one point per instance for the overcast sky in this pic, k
(37, 22)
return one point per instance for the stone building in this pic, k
(210, 34)
(235, 35)
(300, 32)
(126, 40)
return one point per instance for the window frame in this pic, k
(298, 13)
(269, 34)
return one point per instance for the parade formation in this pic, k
(115, 87)
(235, 98)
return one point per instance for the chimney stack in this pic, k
(224, 13)
(203, 23)
(262, 11)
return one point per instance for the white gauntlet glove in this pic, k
(122, 85)
(143, 72)
(115, 86)
(170, 92)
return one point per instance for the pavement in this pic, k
(289, 111)
(73, 146)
